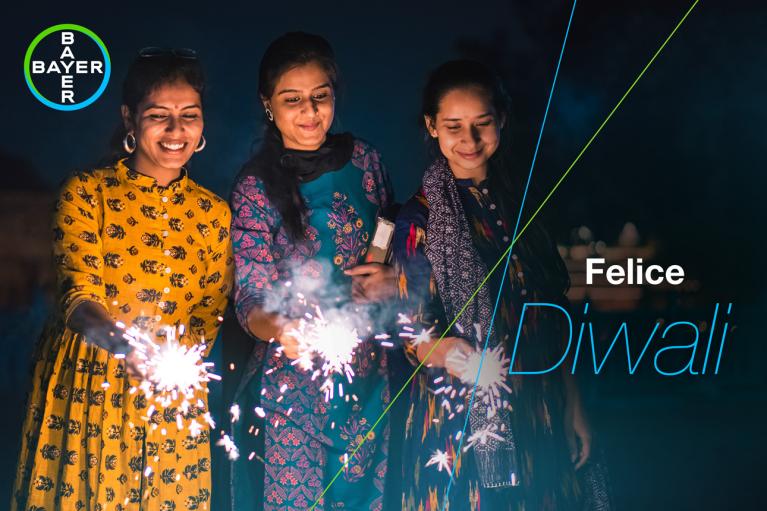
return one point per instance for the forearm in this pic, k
(265, 325)
(91, 320)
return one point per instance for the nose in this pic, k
(474, 134)
(312, 108)
(173, 125)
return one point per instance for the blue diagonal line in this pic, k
(508, 257)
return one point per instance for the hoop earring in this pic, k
(201, 146)
(269, 115)
(129, 147)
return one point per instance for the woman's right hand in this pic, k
(92, 321)
(444, 351)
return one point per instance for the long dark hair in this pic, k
(145, 74)
(281, 183)
(536, 247)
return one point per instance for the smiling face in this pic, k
(468, 130)
(168, 125)
(303, 105)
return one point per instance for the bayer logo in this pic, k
(67, 67)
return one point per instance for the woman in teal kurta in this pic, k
(299, 438)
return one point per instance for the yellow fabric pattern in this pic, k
(153, 256)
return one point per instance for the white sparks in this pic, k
(492, 380)
(173, 374)
(482, 436)
(194, 428)
(234, 411)
(440, 459)
(417, 339)
(403, 319)
(330, 343)
(229, 446)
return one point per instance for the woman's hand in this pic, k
(92, 321)
(577, 432)
(269, 326)
(132, 363)
(447, 354)
(287, 339)
(372, 282)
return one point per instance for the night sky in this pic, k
(682, 155)
(683, 158)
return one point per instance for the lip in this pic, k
(470, 156)
(309, 127)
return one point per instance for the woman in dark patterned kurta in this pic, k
(304, 211)
(464, 113)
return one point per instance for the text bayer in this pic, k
(66, 66)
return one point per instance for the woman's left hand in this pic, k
(372, 282)
(578, 433)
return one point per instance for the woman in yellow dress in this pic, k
(140, 243)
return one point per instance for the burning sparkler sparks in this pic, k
(173, 373)
(440, 459)
(417, 339)
(229, 446)
(491, 381)
(483, 436)
(330, 344)
(234, 411)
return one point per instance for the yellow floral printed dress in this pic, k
(153, 256)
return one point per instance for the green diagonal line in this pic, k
(609, 116)
(501, 259)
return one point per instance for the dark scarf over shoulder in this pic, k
(459, 271)
(457, 266)
(309, 165)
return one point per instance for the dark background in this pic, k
(682, 160)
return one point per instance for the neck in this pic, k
(477, 175)
(163, 176)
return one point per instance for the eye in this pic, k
(321, 96)
(453, 128)
(158, 117)
(294, 99)
(191, 117)
(485, 123)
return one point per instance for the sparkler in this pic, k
(172, 373)
(331, 344)
(491, 381)
(172, 376)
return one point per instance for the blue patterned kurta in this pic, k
(303, 437)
